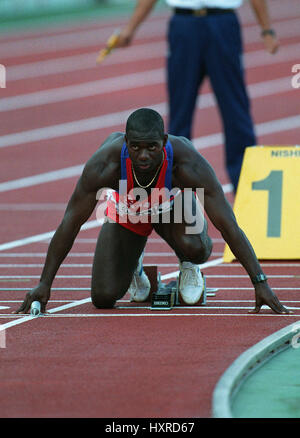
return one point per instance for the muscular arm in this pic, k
(221, 214)
(100, 171)
(79, 209)
(195, 172)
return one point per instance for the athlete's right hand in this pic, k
(40, 293)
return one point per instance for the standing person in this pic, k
(136, 165)
(204, 39)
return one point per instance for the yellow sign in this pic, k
(267, 203)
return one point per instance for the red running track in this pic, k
(128, 362)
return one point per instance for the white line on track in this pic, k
(82, 39)
(117, 120)
(83, 289)
(91, 254)
(152, 314)
(89, 276)
(146, 307)
(212, 140)
(136, 53)
(32, 207)
(129, 81)
(38, 237)
(94, 37)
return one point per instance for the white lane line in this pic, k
(135, 53)
(117, 120)
(82, 39)
(211, 301)
(279, 125)
(55, 175)
(208, 308)
(251, 288)
(89, 265)
(85, 89)
(94, 37)
(129, 81)
(83, 289)
(38, 237)
(32, 207)
(152, 314)
(57, 309)
(89, 276)
(164, 277)
(86, 61)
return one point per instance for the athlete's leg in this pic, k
(116, 257)
(192, 246)
(189, 238)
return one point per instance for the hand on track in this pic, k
(265, 295)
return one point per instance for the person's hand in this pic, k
(124, 38)
(271, 43)
(40, 293)
(265, 295)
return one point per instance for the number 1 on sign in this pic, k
(273, 184)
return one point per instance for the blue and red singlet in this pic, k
(124, 208)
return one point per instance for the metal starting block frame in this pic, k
(166, 296)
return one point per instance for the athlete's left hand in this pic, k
(265, 295)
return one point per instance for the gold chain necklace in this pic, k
(148, 185)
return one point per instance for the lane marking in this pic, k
(32, 207)
(122, 82)
(38, 237)
(29, 181)
(81, 289)
(236, 301)
(169, 255)
(83, 90)
(82, 39)
(117, 120)
(89, 276)
(212, 140)
(86, 38)
(139, 52)
(84, 315)
(57, 309)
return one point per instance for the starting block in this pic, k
(166, 296)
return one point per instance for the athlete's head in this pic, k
(145, 123)
(145, 138)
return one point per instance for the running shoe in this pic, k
(191, 283)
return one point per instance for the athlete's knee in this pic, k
(104, 298)
(101, 302)
(196, 249)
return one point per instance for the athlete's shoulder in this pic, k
(109, 150)
(104, 164)
(183, 148)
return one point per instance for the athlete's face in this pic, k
(145, 151)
